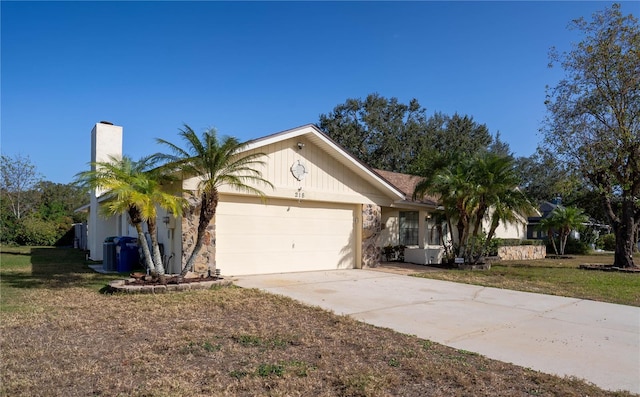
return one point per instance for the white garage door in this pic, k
(283, 236)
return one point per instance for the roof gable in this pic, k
(337, 152)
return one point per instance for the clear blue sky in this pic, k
(255, 68)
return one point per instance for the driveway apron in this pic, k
(595, 341)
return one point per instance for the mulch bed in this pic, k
(166, 280)
(609, 268)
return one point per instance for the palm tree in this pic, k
(566, 220)
(549, 226)
(452, 185)
(216, 162)
(151, 195)
(133, 188)
(468, 190)
(506, 209)
(495, 192)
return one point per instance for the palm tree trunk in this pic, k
(553, 240)
(464, 239)
(477, 227)
(564, 236)
(145, 247)
(492, 231)
(157, 258)
(207, 212)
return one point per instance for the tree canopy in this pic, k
(33, 211)
(381, 132)
(387, 134)
(593, 122)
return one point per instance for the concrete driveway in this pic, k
(598, 342)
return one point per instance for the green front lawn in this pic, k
(554, 276)
(24, 270)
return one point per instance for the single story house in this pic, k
(544, 211)
(327, 210)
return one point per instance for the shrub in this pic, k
(492, 248)
(576, 247)
(573, 247)
(35, 231)
(514, 242)
(532, 242)
(607, 242)
(394, 252)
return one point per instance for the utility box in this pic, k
(126, 253)
(109, 255)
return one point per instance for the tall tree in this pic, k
(60, 200)
(500, 147)
(544, 177)
(594, 117)
(449, 139)
(393, 136)
(217, 162)
(19, 178)
(381, 132)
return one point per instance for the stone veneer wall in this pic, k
(206, 258)
(371, 227)
(522, 252)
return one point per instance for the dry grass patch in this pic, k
(236, 342)
(74, 341)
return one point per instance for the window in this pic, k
(434, 233)
(409, 228)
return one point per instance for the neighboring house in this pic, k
(512, 230)
(544, 211)
(327, 211)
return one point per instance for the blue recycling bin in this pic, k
(126, 253)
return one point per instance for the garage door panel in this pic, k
(283, 236)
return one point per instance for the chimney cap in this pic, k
(106, 122)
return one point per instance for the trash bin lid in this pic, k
(122, 240)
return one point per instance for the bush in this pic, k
(8, 230)
(607, 242)
(577, 247)
(492, 248)
(573, 247)
(34, 231)
(532, 242)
